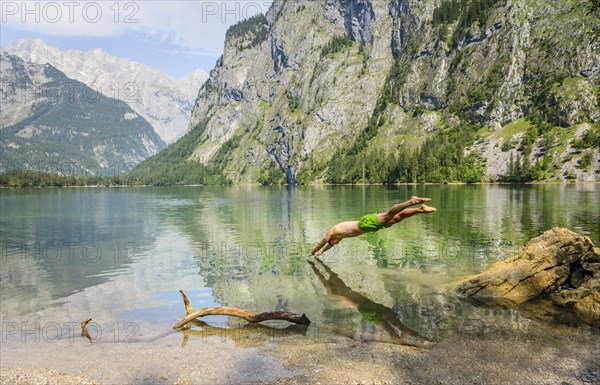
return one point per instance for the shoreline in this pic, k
(314, 185)
(332, 358)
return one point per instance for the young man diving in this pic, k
(371, 223)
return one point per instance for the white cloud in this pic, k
(194, 26)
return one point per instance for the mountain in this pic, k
(52, 123)
(166, 103)
(347, 91)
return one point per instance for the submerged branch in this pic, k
(84, 332)
(248, 315)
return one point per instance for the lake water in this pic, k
(119, 256)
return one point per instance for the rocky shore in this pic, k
(40, 376)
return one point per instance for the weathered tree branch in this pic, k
(248, 315)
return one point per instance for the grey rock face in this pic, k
(297, 105)
(404, 22)
(357, 17)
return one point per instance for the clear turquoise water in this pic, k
(119, 256)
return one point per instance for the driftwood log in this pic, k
(248, 315)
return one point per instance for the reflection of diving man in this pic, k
(377, 314)
(371, 223)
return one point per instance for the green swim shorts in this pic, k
(369, 223)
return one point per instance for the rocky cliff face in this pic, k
(314, 82)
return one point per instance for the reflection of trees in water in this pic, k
(377, 314)
(238, 223)
(245, 241)
(248, 244)
(530, 210)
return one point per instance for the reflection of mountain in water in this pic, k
(86, 251)
(250, 246)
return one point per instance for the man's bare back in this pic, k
(345, 230)
(371, 223)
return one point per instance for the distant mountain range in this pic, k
(166, 103)
(52, 123)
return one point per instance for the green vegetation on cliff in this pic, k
(466, 12)
(337, 44)
(589, 139)
(175, 166)
(447, 12)
(250, 32)
(440, 159)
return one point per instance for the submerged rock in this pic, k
(560, 266)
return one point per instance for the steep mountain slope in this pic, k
(52, 123)
(166, 103)
(401, 90)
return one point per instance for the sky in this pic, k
(177, 37)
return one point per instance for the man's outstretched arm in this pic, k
(320, 244)
(329, 246)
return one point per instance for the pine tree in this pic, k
(511, 169)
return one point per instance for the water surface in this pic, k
(119, 256)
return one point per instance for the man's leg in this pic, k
(388, 215)
(424, 209)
